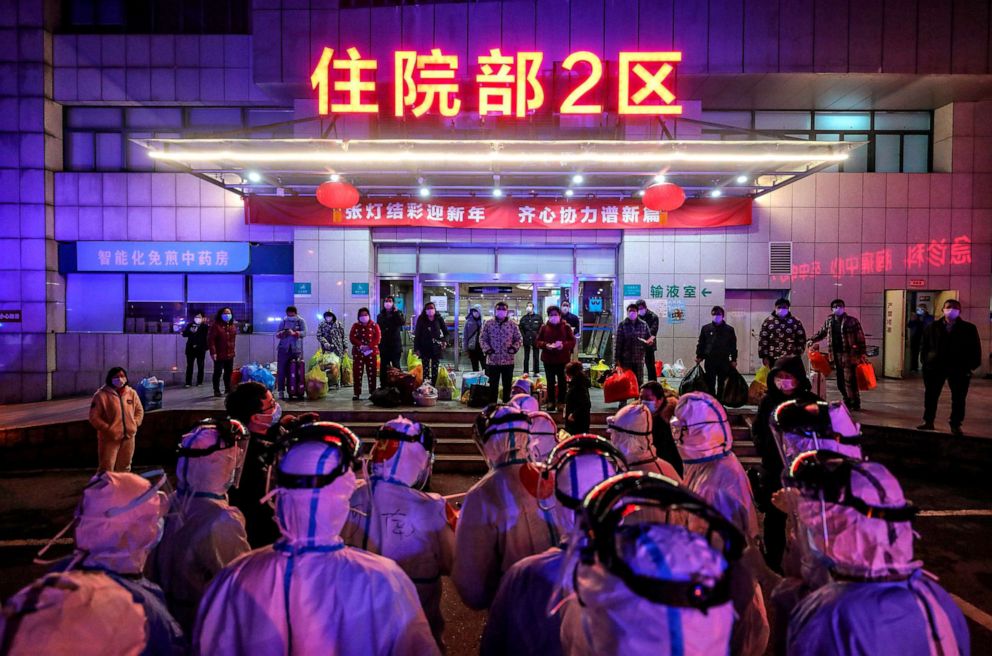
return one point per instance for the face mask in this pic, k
(290, 316)
(565, 308)
(119, 382)
(226, 316)
(952, 313)
(500, 314)
(631, 315)
(430, 313)
(782, 312)
(328, 319)
(554, 319)
(642, 312)
(197, 320)
(717, 318)
(652, 405)
(263, 420)
(920, 311)
(530, 308)
(387, 305)
(785, 385)
(838, 311)
(364, 318)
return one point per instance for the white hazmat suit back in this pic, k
(630, 431)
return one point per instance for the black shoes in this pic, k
(956, 431)
(356, 398)
(926, 426)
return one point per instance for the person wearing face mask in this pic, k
(651, 319)
(392, 517)
(195, 333)
(365, 338)
(390, 322)
(430, 336)
(221, 341)
(470, 340)
(330, 335)
(203, 532)
(571, 319)
(921, 319)
(98, 601)
(292, 330)
(530, 324)
(303, 594)
(116, 414)
(951, 350)
(661, 403)
(631, 338)
(787, 381)
(578, 405)
(781, 335)
(500, 341)
(717, 348)
(556, 341)
(256, 409)
(846, 350)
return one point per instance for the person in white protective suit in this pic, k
(303, 594)
(855, 519)
(501, 521)
(520, 622)
(543, 435)
(630, 431)
(711, 469)
(204, 532)
(391, 516)
(642, 586)
(98, 602)
(525, 402)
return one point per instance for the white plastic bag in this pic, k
(678, 369)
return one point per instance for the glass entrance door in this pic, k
(486, 295)
(444, 296)
(401, 289)
(598, 320)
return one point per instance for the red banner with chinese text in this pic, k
(491, 214)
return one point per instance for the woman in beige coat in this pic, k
(116, 414)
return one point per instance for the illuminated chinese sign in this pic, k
(935, 253)
(162, 256)
(505, 85)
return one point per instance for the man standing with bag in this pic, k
(846, 350)
(651, 319)
(717, 347)
(390, 322)
(951, 349)
(500, 341)
(633, 335)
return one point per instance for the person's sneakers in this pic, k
(282, 395)
(187, 386)
(956, 431)
(854, 406)
(217, 393)
(356, 398)
(927, 425)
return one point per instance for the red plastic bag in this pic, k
(866, 377)
(819, 362)
(620, 386)
(658, 366)
(235, 378)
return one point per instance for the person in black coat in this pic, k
(717, 350)
(950, 350)
(651, 319)
(390, 322)
(578, 406)
(787, 381)
(572, 320)
(662, 407)
(429, 339)
(195, 333)
(530, 324)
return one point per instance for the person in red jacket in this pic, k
(556, 341)
(220, 340)
(365, 337)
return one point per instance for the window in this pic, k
(270, 297)
(94, 302)
(157, 16)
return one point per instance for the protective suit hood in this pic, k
(210, 461)
(400, 454)
(701, 428)
(543, 435)
(119, 521)
(505, 436)
(630, 431)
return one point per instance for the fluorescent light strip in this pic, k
(490, 157)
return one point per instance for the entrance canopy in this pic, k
(520, 168)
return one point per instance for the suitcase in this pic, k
(296, 379)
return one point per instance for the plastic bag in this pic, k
(756, 391)
(596, 371)
(385, 397)
(444, 379)
(620, 386)
(264, 376)
(470, 378)
(866, 377)
(659, 367)
(315, 359)
(418, 372)
(819, 362)
(694, 381)
(678, 369)
(425, 395)
(735, 390)
(666, 371)
(412, 360)
(316, 383)
(818, 384)
(347, 373)
(762, 375)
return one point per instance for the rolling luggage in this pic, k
(296, 379)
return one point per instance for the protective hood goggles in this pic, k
(497, 425)
(330, 434)
(814, 419)
(424, 436)
(583, 444)
(826, 475)
(230, 433)
(608, 507)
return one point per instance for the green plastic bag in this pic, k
(315, 359)
(444, 380)
(596, 372)
(412, 360)
(762, 375)
(346, 371)
(316, 383)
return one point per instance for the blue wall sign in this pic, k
(359, 289)
(302, 289)
(595, 304)
(162, 256)
(631, 291)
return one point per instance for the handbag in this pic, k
(385, 397)
(478, 396)
(620, 386)
(866, 377)
(735, 390)
(694, 381)
(819, 362)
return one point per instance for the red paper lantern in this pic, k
(337, 195)
(664, 197)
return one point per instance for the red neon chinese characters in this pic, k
(570, 106)
(652, 84)
(961, 250)
(423, 81)
(353, 85)
(504, 85)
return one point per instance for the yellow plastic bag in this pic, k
(347, 372)
(464, 399)
(762, 375)
(596, 371)
(444, 379)
(411, 360)
(316, 383)
(315, 359)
